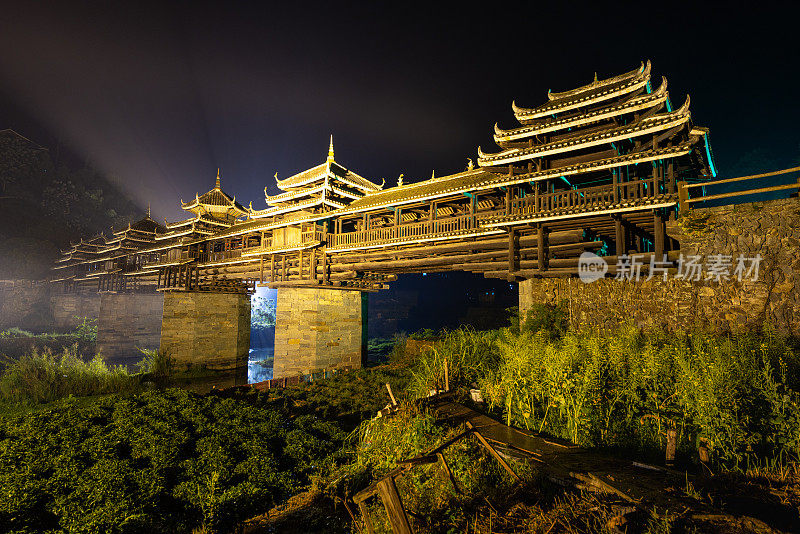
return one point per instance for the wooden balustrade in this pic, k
(684, 188)
(586, 198)
(415, 230)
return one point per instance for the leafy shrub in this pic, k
(552, 319)
(86, 330)
(163, 461)
(42, 376)
(157, 363)
(466, 353)
(626, 388)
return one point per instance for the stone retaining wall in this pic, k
(770, 229)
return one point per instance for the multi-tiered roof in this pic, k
(603, 125)
(212, 211)
(321, 189)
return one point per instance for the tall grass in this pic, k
(625, 388)
(42, 376)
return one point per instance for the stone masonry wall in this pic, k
(319, 329)
(25, 304)
(770, 229)
(210, 330)
(128, 322)
(68, 308)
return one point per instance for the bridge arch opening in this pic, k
(262, 334)
(431, 302)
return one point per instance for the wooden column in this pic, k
(272, 267)
(619, 230)
(541, 252)
(658, 236)
(513, 249)
(398, 519)
(324, 268)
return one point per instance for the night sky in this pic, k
(160, 95)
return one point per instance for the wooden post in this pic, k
(272, 267)
(658, 236)
(672, 443)
(615, 186)
(619, 231)
(261, 275)
(398, 519)
(513, 246)
(391, 395)
(324, 268)
(362, 506)
(541, 252)
(683, 196)
(446, 376)
(508, 200)
(312, 273)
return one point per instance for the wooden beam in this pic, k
(398, 519)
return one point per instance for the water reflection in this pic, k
(259, 364)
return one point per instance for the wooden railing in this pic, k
(587, 198)
(172, 256)
(212, 257)
(684, 189)
(307, 237)
(417, 230)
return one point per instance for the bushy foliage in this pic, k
(465, 352)
(158, 364)
(428, 495)
(42, 376)
(86, 330)
(626, 388)
(164, 461)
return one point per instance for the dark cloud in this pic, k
(159, 95)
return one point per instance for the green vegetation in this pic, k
(740, 393)
(162, 461)
(428, 495)
(165, 460)
(43, 376)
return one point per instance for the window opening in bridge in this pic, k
(262, 334)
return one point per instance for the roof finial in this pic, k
(148, 210)
(433, 174)
(218, 173)
(330, 150)
(400, 180)
(595, 77)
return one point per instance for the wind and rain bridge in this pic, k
(599, 168)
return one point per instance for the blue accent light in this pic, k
(710, 158)
(649, 89)
(669, 104)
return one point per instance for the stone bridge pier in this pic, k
(127, 322)
(204, 330)
(319, 329)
